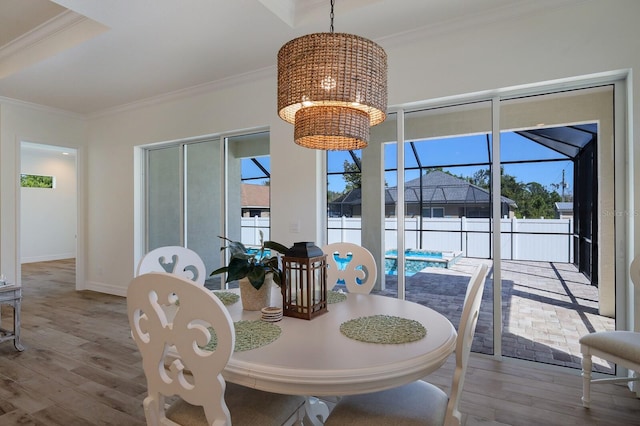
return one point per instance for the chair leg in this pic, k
(297, 418)
(586, 380)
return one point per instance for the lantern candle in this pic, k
(304, 287)
(301, 297)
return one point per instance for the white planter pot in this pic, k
(255, 300)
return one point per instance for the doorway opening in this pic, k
(48, 215)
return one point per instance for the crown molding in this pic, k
(42, 108)
(199, 89)
(42, 32)
(57, 34)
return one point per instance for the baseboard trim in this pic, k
(105, 288)
(47, 258)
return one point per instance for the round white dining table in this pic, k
(313, 357)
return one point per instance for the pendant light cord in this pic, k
(331, 16)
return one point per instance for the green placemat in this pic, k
(227, 297)
(383, 329)
(336, 297)
(249, 335)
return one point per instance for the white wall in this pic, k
(48, 215)
(23, 122)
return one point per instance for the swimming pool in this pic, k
(417, 260)
(255, 251)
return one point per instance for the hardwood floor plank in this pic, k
(19, 418)
(58, 416)
(132, 388)
(94, 408)
(23, 398)
(113, 398)
(6, 407)
(49, 364)
(529, 398)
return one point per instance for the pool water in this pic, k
(415, 261)
(341, 263)
(256, 251)
(417, 253)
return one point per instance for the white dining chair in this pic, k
(176, 260)
(171, 337)
(419, 403)
(618, 346)
(352, 265)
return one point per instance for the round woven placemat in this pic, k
(249, 335)
(336, 297)
(383, 329)
(227, 297)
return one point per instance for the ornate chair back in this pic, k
(160, 325)
(352, 265)
(174, 260)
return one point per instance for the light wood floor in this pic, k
(82, 368)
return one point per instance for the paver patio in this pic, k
(546, 307)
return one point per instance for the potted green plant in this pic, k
(253, 267)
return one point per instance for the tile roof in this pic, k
(255, 195)
(437, 187)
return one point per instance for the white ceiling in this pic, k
(92, 56)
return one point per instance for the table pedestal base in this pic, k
(317, 410)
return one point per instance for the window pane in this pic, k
(249, 191)
(447, 217)
(450, 151)
(256, 169)
(203, 195)
(36, 181)
(163, 198)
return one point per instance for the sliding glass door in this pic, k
(554, 288)
(441, 180)
(203, 208)
(446, 213)
(199, 190)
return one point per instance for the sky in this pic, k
(456, 153)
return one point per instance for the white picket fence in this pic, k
(522, 239)
(250, 228)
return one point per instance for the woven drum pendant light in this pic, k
(332, 87)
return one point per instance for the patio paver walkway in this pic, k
(546, 308)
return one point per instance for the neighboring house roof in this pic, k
(352, 197)
(256, 196)
(564, 206)
(437, 187)
(441, 187)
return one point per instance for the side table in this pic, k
(11, 295)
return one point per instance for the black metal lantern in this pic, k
(304, 286)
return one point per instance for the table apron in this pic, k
(337, 383)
